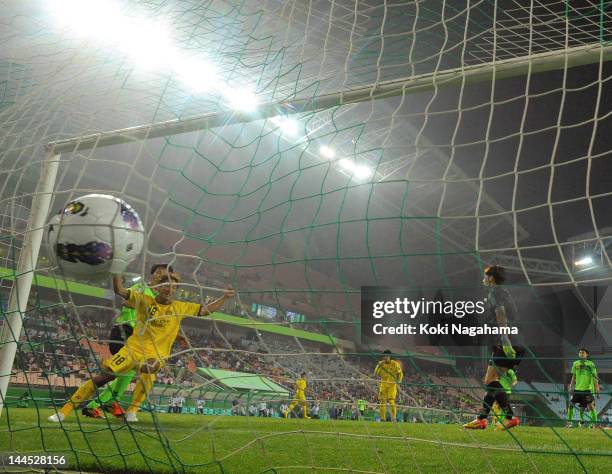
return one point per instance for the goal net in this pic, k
(300, 151)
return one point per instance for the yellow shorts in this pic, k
(299, 396)
(387, 392)
(128, 359)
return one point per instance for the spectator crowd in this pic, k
(70, 346)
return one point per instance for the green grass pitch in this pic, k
(207, 444)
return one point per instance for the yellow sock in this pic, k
(393, 410)
(305, 410)
(143, 387)
(291, 406)
(383, 411)
(496, 413)
(83, 393)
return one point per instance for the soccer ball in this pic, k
(93, 236)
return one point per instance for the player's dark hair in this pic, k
(497, 272)
(161, 265)
(387, 352)
(303, 374)
(585, 350)
(173, 276)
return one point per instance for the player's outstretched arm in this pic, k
(206, 310)
(119, 288)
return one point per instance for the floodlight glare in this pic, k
(242, 100)
(358, 171)
(287, 125)
(327, 152)
(197, 74)
(345, 163)
(92, 18)
(583, 262)
(362, 171)
(136, 278)
(147, 44)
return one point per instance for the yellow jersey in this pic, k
(157, 325)
(300, 385)
(389, 372)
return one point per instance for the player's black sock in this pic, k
(492, 390)
(503, 399)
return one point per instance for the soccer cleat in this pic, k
(307, 418)
(569, 424)
(56, 417)
(92, 412)
(477, 424)
(117, 411)
(131, 416)
(507, 424)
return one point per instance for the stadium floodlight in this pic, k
(242, 100)
(136, 278)
(345, 163)
(287, 125)
(92, 18)
(360, 172)
(583, 262)
(199, 75)
(148, 44)
(327, 152)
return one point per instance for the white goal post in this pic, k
(24, 273)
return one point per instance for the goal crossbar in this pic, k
(537, 63)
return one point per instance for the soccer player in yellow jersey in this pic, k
(390, 373)
(157, 324)
(300, 396)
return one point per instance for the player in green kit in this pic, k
(361, 406)
(123, 327)
(586, 386)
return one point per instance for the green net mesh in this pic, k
(337, 144)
